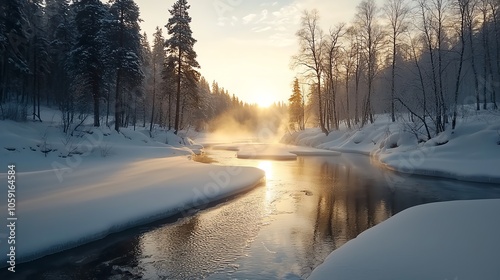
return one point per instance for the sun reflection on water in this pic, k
(267, 166)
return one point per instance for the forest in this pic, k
(90, 59)
(417, 61)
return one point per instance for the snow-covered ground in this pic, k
(471, 152)
(447, 240)
(74, 189)
(273, 151)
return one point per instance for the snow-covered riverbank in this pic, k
(446, 240)
(452, 240)
(470, 153)
(71, 190)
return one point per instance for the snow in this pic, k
(471, 152)
(450, 240)
(272, 151)
(446, 240)
(73, 190)
(265, 151)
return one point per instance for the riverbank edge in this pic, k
(375, 155)
(413, 239)
(185, 210)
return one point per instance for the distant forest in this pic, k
(416, 61)
(89, 58)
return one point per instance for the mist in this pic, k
(255, 124)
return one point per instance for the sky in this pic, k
(246, 46)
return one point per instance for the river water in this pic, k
(281, 230)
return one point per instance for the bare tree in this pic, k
(487, 67)
(396, 12)
(310, 37)
(349, 62)
(415, 57)
(462, 6)
(332, 53)
(354, 66)
(372, 37)
(471, 21)
(495, 7)
(432, 17)
(440, 9)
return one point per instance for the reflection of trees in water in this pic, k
(343, 205)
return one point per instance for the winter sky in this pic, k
(247, 46)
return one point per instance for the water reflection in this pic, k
(308, 208)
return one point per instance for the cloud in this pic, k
(267, 4)
(263, 16)
(271, 22)
(248, 18)
(261, 29)
(223, 21)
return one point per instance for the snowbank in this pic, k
(471, 152)
(272, 151)
(76, 189)
(447, 240)
(97, 200)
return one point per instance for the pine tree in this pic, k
(38, 56)
(88, 54)
(158, 57)
(125, 53)
(296, 107)
(180, 48)
(61, 36)
(147, 61)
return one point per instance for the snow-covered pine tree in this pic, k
(180, 48)
(126, 55)
(88, 61)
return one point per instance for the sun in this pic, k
(264, 101)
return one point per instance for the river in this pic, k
(281, 230)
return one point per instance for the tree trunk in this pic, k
(117, 101)
(440, 65)
(177, 102)
(393, 76)
(347, 99)
(154, 97)
(320, 105)
(474, 69)
(107, 106)
(95, 94)
(497, 41)
(457, 83)
(487, 61)
(135, 111)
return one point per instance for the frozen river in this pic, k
(281, 230)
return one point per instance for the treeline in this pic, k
(420, 59)
(89, 58)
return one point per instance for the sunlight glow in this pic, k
(264, 100)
